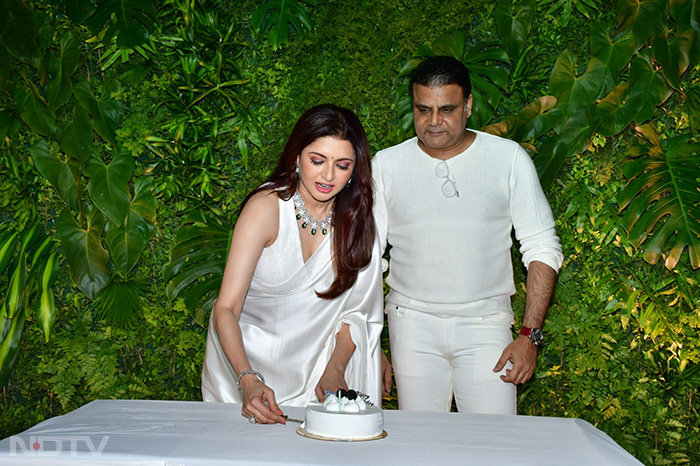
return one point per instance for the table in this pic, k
(174, 433)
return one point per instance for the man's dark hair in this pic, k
(441, 71)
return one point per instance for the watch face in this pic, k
(536, 336)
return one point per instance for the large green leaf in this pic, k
(34, 111)
(197, 262)
(135, 20)
(504, 128)
(453, 43)
(487, 78)
(40, 252)
(614, 115)
(549, 159)
(105, 111)
(647, 87)
(8, 243)
(513, 25)
(692, 107)
(531, 122)
(85, 96)
(635, 100)
(276, 17)
(613, 50)
(673, 54)
(537, 118)
(18, 29)
(60, 88)
(576, 92)
(661, 202)
(30, 236)
(20, 284)
(75, 137)
(574, 137)
(62, 174)
(10, 335)
(640, 16)
(10, 124)
(201, 297)
(109, 185)
(15, 298)
(686, 13)
(119, 302)
(128, 241)
(77, 10)
(83, 250)
(46, 302)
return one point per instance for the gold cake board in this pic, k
(301, 431)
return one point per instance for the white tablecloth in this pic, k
(170, 433)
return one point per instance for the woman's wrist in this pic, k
(336, 368)
(248, 372)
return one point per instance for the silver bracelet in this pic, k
(249, 371)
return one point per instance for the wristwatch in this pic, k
(535, 334)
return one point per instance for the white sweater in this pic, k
(452, 255)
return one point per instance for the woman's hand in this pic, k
(333, 379)
(386, 375)
(259, 402)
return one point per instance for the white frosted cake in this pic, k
(350, 417)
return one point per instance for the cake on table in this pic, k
(346, 415)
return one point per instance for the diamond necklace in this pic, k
(306, 218)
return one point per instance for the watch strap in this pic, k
(534, 334)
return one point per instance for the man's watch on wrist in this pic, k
(534, 334)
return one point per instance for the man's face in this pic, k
(440, 117)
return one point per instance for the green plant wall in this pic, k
(136, 138)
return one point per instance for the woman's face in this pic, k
(325, 166)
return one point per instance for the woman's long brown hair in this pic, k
(353, 222)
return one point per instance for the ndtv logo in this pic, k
(52, 445)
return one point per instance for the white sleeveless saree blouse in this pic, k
(289, 332)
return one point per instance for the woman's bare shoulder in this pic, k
(261, 213)
(263, 202)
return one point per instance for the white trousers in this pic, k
(436, 357)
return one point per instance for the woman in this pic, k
(300, 306)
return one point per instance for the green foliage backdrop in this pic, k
(131, 133)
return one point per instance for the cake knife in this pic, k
(291, 419)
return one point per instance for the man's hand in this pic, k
(521, 352)
(523, 355)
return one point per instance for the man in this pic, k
(447, 202)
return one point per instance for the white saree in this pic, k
(289, 332)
